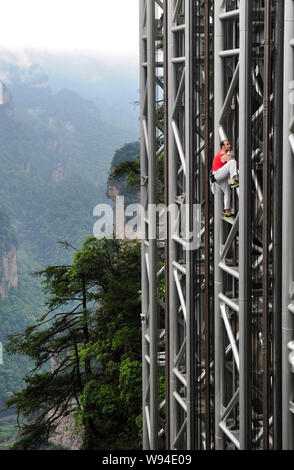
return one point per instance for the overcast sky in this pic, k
(103, 27)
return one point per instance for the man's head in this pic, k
(225, 145)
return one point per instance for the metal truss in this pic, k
(181, 396)
(151, 85)
(189, 361)
(226, 364)
(232, 322)
(243, 251)
(288, 231)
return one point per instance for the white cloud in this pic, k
(16, 57)
(107, 27)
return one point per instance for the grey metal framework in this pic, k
(151, 79)
(189, 361)
(288, 230)
(182, 417)
(242, 272)
(224, 343)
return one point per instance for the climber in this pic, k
(224, 173)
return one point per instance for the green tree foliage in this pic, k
(125, 171)
(91, 330)
(20, 299)
(126, 153)
(126, 167)
(116, 344)
(55, 153)
(130, 169)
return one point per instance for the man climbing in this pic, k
(224, 171)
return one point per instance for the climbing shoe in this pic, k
(235, 184)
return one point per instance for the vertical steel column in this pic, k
(245, 151)
(219, 91)
(166, 201)
(277, 224)
(288, 228)
(181, 303)
(152, 258)
(189, 288)
(202, 143)
(172, 193)
(207, 294)
(150, 129)
(144, 201)
(266, 222)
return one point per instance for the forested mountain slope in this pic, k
(55, 154)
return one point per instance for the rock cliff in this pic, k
(6, 101)
(64, 435)
(8, 272)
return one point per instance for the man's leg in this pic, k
(228, 170)
(222, 179)
(232, 167)
(227, 194)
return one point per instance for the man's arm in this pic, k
(226, 158)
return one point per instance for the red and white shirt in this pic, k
(217, 163)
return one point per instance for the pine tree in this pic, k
(91, 332)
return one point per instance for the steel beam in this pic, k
(151, 80)
(253, 397)
(288, 229)
(219, 98)
(181, 366)
(277, 224)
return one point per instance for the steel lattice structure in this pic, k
(217, 316)
(151, 36)
(288, 227)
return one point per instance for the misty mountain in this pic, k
(52, 143)
(56, 150)
(112, 85)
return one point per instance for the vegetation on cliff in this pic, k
(125, 172)
(55, 152)
(92, 331)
